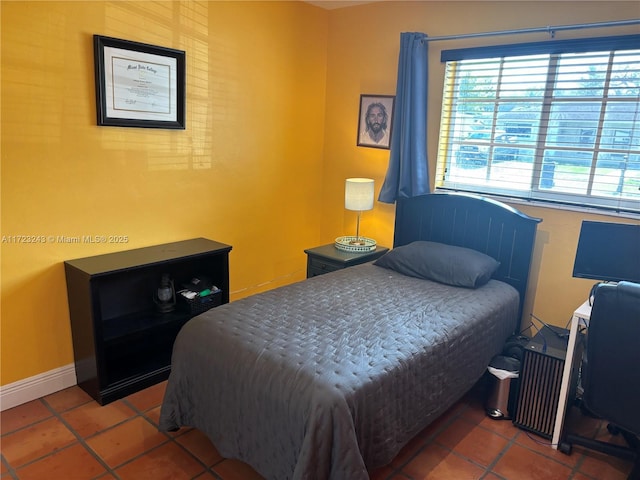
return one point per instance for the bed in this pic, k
(330, 377)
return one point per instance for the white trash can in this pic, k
(500, 403)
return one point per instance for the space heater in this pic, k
(540, 379)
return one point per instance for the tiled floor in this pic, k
(68, 436)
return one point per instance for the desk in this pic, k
(580, 317)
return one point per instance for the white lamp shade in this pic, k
(358, 194)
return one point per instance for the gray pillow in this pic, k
(458, 266)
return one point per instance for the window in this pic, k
(550, 121)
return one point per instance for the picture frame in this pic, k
(139, 85)
(378, 133)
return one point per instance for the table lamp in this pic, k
(358, 196)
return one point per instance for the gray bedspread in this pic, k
(330, 377)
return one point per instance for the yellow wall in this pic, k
(272, 103)
(364, 60)
(246, 171)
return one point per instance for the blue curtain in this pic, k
(408, 172)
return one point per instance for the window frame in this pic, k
(591, 139)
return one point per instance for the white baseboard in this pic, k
(23, 391)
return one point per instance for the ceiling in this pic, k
(333, 4)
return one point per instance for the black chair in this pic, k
(611, 372)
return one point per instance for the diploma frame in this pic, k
(139, 85)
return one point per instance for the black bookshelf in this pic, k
(121, 342)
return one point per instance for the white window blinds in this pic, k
(551, 121)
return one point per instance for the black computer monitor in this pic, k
(608, 252)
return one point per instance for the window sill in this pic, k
(553, 205)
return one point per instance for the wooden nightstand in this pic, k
(328, 258)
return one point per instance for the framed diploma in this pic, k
(139, 85)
